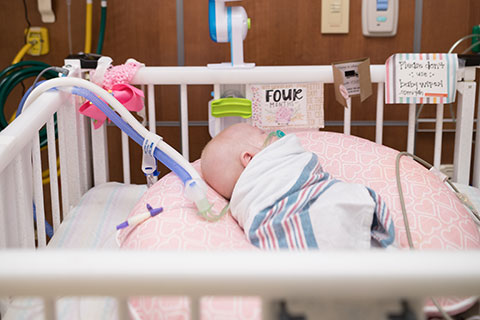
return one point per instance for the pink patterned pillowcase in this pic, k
(437, 218)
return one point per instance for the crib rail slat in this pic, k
(99, 154)
(463, 132)
(39, 211)
(151, 108)
(122, 308)
(184, 120)
(194, 303)
(125, 158)
(437, 156)
(380, 107)
(49, 308)
(62, 152)
(53, 174)
(412, 109)
(347, 120)
(8, 208)
(23, 176)
(84, 146)
(476, 163)
(216, 95)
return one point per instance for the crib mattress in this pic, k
(91, 224)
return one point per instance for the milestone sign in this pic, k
(296, 105)
(421, 78)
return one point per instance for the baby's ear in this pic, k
(245, 158)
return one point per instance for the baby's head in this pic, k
(226, 156)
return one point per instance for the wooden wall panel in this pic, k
(284, 32)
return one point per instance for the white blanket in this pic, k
(284, 199)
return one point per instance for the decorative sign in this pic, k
(297, 105)
(421, 78)
(354, 76)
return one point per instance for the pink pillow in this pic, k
(437, 218)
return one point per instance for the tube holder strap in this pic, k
(149, 163)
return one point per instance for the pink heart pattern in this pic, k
(437, 219)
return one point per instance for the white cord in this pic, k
(404, 211)
(473, 35)
(471, 47)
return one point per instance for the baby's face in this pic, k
(257, 136)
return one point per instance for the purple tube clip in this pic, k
(154, 212)
(122, 225)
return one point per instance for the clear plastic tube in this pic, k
(159, 155)
(195, 187)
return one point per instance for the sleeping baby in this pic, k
(282, 198)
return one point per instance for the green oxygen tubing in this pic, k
(13, 75)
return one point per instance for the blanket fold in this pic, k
(284, 199)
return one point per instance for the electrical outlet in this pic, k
(335, 16)
(38, 36)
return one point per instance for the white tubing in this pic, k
(118, 107)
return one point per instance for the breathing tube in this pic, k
(194, 184)
(159, 155)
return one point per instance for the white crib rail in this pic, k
(344, 275)
(197, 274)
(184, 76)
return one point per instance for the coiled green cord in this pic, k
(13, 75)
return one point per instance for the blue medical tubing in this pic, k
(125, 127)
(48, 227)
(24, 98)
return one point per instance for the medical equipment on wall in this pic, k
(335, 16)
(379, 18)
(229, 24)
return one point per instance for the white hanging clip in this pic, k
(149, 163)
(102, 66)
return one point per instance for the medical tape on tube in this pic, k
(149, 163)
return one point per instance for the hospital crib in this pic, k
(26, 269)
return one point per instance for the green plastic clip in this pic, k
(232, 107)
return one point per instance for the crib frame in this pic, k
(50, 274)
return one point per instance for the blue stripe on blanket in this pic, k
(383, 230)
(300, 197)
(287, 224)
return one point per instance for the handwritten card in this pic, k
(354, 77)
(421, 78)
(296, 106)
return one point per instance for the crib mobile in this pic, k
(155, 148)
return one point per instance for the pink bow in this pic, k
(126, 94)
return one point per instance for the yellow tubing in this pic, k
(14, 115)
(46, 173)
(88, 27)
(22, 52)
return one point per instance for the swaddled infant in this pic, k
(282, 198)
